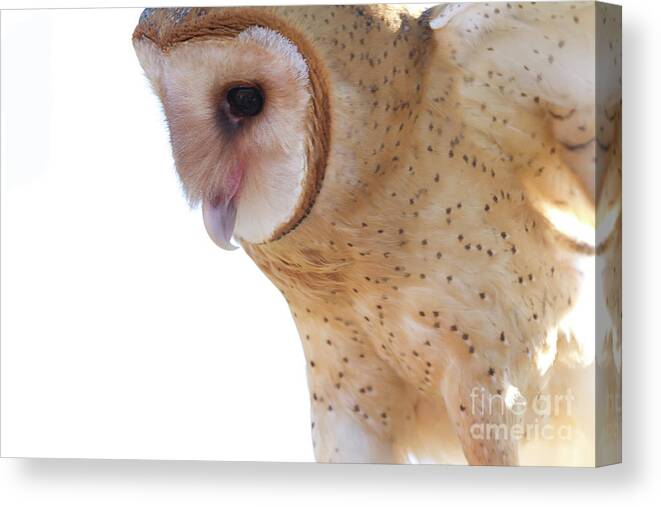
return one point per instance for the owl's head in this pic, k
(246, 108)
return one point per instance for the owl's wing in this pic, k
(525, 80)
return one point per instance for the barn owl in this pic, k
(423, 188)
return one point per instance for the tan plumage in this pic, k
(425, 254)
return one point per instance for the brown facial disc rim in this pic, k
(229, 22)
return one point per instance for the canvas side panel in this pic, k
(609, 234)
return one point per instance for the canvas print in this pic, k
(434, 191)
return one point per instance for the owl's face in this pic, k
(239, 112)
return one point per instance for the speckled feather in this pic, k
(428, 265)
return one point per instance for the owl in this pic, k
(423, 187)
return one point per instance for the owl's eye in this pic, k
(245, 101)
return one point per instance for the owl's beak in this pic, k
(219, 219)
(219, 212)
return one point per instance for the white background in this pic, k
(126, 332)
(115, 136)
